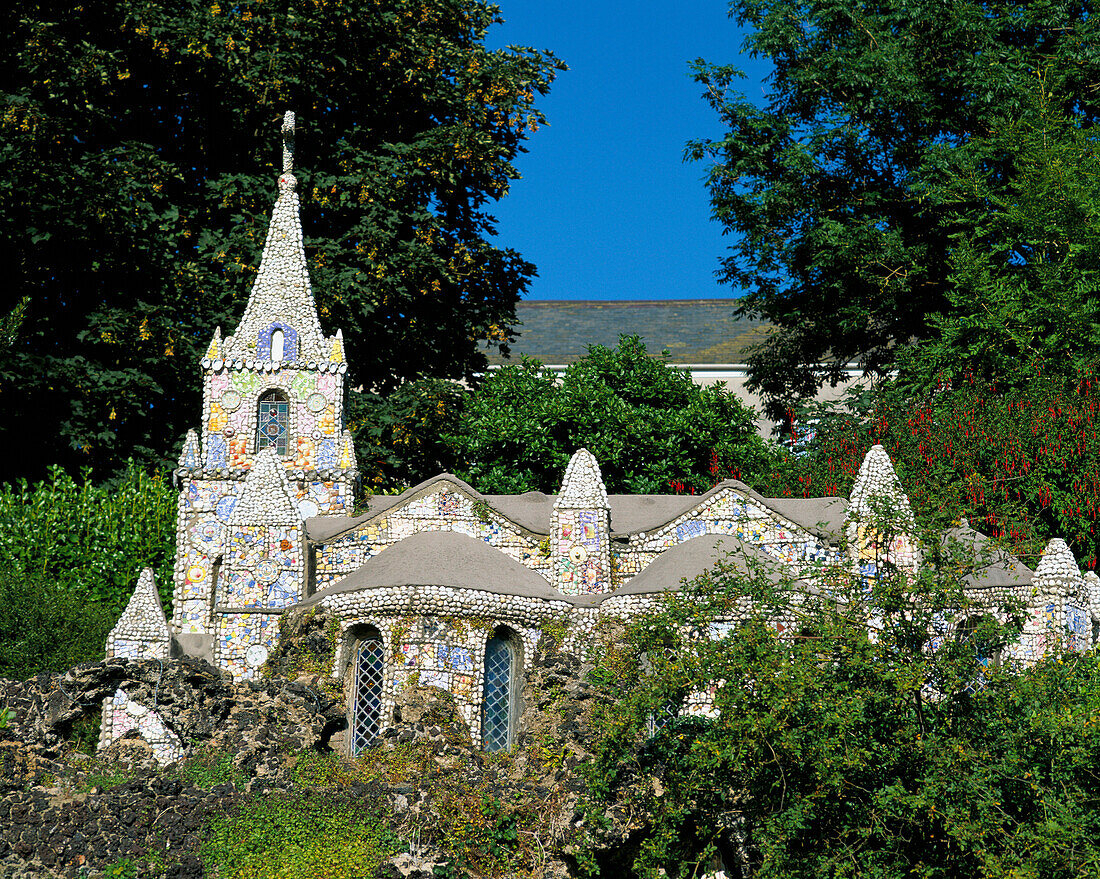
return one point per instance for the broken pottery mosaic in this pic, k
(443, 586)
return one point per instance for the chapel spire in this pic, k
(280, 322)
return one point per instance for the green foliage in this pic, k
(123, 868)
(48, 627)
(401, 438)
(1017, 455)
(207, 769)
(853, 739)
(1022, 207)
(890, 136)
(85, 732)
(319, 835)
(71, 553)
(88, 538)
(105, 776)
(649, 426)
(137, 171)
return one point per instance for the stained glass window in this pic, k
(273, 426)
(496, 706)
(366, 707)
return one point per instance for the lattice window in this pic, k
(366, 708)
(273, 426)
(660, 718)
(496, 706)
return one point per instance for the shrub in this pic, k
(46, 626)
(318, 835)
(89, 539)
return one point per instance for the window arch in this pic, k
(500, 691)
(975, 632)
(367, 676)
(283, 346)
(273, 422)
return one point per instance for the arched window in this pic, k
(277, 344)
(979, 634)
(365, 719)
(273, 422)
(499, 696)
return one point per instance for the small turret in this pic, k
(580, 529)
(879, 521)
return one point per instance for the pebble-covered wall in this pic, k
(272, 452)
(141, 633)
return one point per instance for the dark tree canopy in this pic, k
(845, 234)
(139, 150)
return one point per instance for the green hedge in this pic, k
(70, 555)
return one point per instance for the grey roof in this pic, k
(820, 515)
(994, 567)
(443, 558)
(695, 331)
(630, 513)
(689, 559)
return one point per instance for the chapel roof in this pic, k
(443, 558)
(630, 513)
(994, 568)
(693, 557)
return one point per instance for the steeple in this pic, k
(281, 313)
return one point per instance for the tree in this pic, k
(650, 427)
(1022, 207)
(845, 237)
(855, 740)
(1016, 455)
(137, 171)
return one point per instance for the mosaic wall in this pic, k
(316, 438)
(243, 642)
(730, 513)
(431, 651)
(442, 508)
(205, 508)
(121, 714)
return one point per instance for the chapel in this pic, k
(444, 586)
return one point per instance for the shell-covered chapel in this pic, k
(441, 585)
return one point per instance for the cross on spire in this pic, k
(288, 141)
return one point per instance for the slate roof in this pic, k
(695, 331)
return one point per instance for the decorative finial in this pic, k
(288, 141)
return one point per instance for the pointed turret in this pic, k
(337, 352)
(266, 498)
(190, 458)
(879, 520)
(142, 630)
(281, 313)
(1060, 605)
(141, 633)
(580, 529)
(214, 352)
(583, 483)
(347, 453)
(1057, 572)
(877, 490)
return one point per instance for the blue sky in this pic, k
(607, 208)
